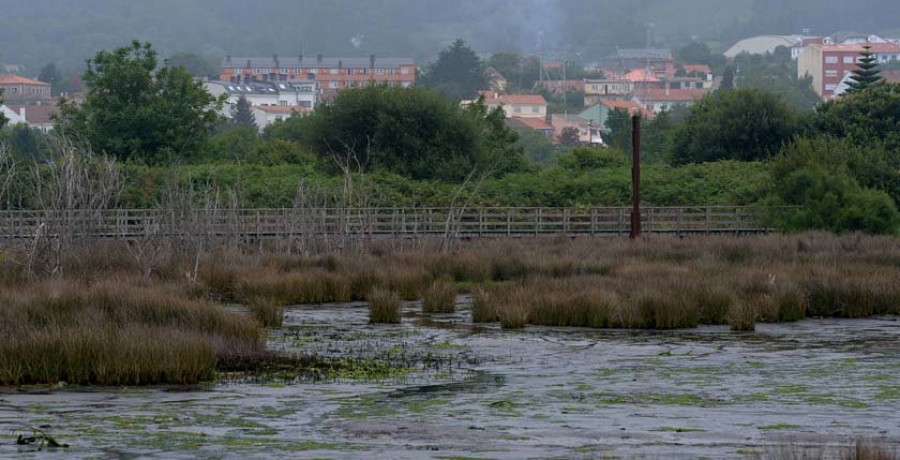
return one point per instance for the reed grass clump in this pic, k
(267, 312)
(742, 315)
(513, 312)
(440, 297)
(484, 307)
(119, 331)
(384, 307)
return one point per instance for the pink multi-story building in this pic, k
(829, 64)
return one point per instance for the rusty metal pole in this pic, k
(636, 177)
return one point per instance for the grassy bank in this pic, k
(100, 321)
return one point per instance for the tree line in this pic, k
(417, 146)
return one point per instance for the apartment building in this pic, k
(332, 74)
(829, 64)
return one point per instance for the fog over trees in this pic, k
(66, 32)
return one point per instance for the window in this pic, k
(517, 109)
(334, 71)
(313, 71)
(406, 84)
(282, 103)
(830, 87)
(306, 89)
(831, 59)
(391, 71)
(333, 85)
(404, 71)
(379, 71)
(305, 104)
(535, 109)
(848, 59)
(831, 73)
(256, 70)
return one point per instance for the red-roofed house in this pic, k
(588, 131)
(517, 105)
(829, 64)
(21, 89)
(35, 116)
(598, 114)
(702, 69)
(536, 124)
(658, 100)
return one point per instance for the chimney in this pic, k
(301, 58)
(372, 61)
(340, 64)
(275, 58)
(248, 63)
(319, 58)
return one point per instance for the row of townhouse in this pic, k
(332, 74)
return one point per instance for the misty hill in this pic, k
(41, 31)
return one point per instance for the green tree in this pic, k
(242, 115)
(414, 132)
(194, 64)
(458, 72)
(586, 159)
(570, 137)
(814, 174)
(618, 127)
(742, 124)
(50, 74)
(867, 73)
(777, 73)
(3, 119)
(868, 122)
(135, 110)
(693, 53)
(727, 79)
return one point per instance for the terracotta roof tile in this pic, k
(17, 80)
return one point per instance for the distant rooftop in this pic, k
(17, 80)
(313, 61)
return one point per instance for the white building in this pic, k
(270, 101)
(35, 116)
(265, 115)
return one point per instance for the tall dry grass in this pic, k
(384, 307)
(118, 331)
(440, 297)
(99, 319)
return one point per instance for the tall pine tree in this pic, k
(727, 78)
(241, 114)
(867, 73)
(458, 72)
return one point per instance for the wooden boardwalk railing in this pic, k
(382, 222)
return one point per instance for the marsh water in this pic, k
(449, 389)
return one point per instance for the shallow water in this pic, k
(481, 392)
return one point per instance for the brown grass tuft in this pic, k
(384, 307)
(440, 297)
